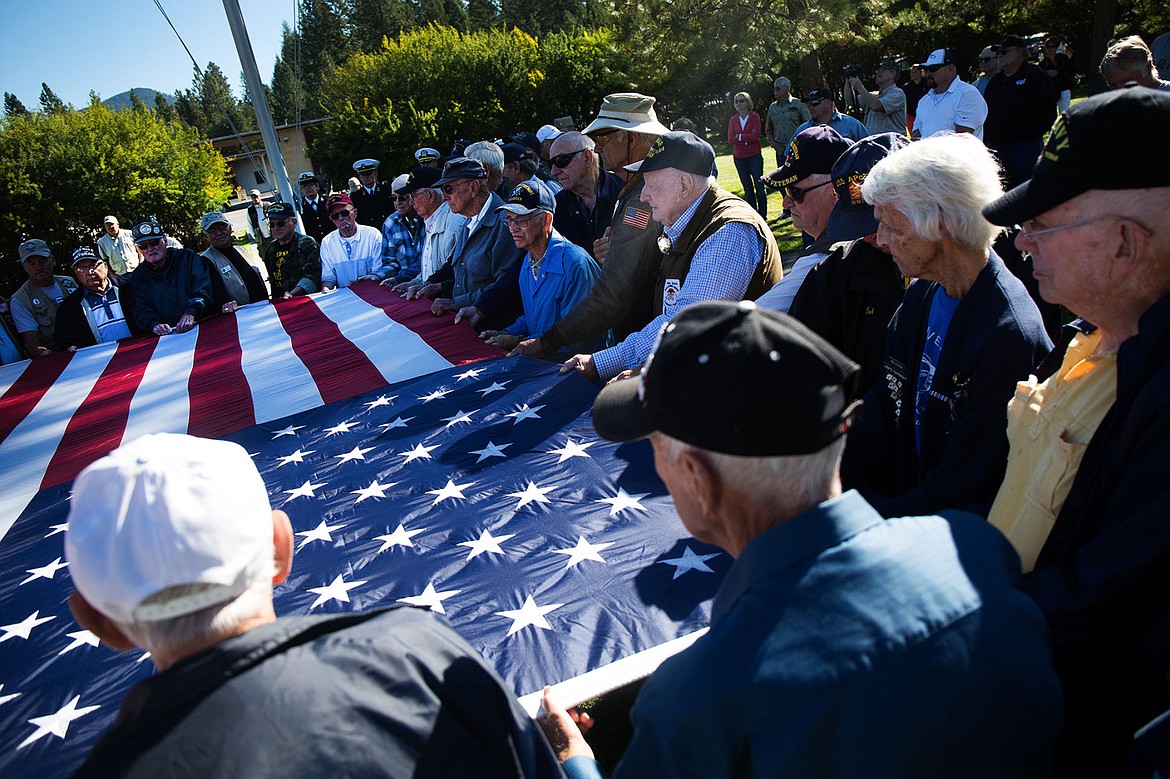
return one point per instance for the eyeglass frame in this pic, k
(797, 195)
(566, 156)
(1032, 234)
(341, 213)
(523, 222)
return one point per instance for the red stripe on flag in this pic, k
(221, 399)
(96, 428)
(26, 392)
(458, 344)
(339, 368)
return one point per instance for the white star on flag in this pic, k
(689, 562)
(290, 430)
(80, 638)
(524, 412)
(419, 452)
(303, 491)
(451, 490)
(381, 401)
(457, 417)
(400, 537)
(375, 490)
(495, 387)
(572, 449)
(23, 628)
(435, 395)
(45, 571)
(469, 374)
(296, 457)
(532, 494)
(398, 422)
(491, 450)
(57, 723)
(55, 529)
(340, 427)
(322, 532)
(529, 614)
(357, 453)
(429, 598)
(485, 543)
(623, 500)
(583, 551)
(5, 698)
(337, 590)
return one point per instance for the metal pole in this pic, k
(260, 104)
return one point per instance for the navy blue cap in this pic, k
(420, 178)
(813, 150)
(147, 230)
(461, 168)
(680, 150)
(514, 152)
(527, 197)
(852, 217)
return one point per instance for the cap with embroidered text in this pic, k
(852, 217)
(680, 150)
(528, 197)
(812, 150)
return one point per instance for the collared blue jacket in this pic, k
(564, 278)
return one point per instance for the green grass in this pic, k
(787, 237)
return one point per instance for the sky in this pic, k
(109, 46)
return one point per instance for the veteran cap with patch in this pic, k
(681, 150)
(1104, 142)
(147, 230)
(783, 389)
(527, 197)
(813, 150)
(852, 217)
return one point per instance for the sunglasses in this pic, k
(797, 194)
(343, 213)
(815, 103)
(986, 59)
(449, 188)
(281, 222)
(563, 160)
(152, 243)
(933, 68)
(601, 139)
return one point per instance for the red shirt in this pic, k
(744, 142)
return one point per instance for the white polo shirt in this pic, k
(960, 105)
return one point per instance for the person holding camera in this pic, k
(885, 110)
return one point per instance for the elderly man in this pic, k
(1021, 104)
(520, 165)
(805, 178)
(823, 110)
(785, 114)
(491, 156)
(441, 229)
(585, 207)
(172, 287)
(350, 252)
(481, 282)
(1129, 61)
(101, 311)
(556, 276)
(34, 304)
(293, 260)
(849, 297)
(174, 549)
(841, 644)
(1086, 500)
(314, 212)
(235, 282)
(932, 436)
(116, 246)
(885, 110)
(715, 246)
(951, 105)
(988, 68)
(402, 238)
(372, 198)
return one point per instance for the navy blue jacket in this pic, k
(583, 225)
(1103, 577)
(995, 339)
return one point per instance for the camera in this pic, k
(852, 71)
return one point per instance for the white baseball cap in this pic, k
(167, 510)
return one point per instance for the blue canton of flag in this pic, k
(480, 492)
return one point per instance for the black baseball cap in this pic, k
(280, 211)
(813, 150)
(783, 389)
(420, 178)
(1011, 40)
(147, 230)
(461, 168)
(1104, 142)
(852, 217)
(514, 152)
(820, 93)
(681, 150)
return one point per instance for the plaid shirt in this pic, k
(402, 241)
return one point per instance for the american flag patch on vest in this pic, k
(636, 217)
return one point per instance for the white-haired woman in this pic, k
(934, 429)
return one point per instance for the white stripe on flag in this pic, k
(10, 373)
(30, 447)
(161, 404)
(395, 350)
(280, 382)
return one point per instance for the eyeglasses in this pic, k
(281, 222)
(814, 103)
(89, 268)
(520, 223)
(563, 160)
(933, 68)
(603, 138)
(449, 188)
(152, 243)
(1030, 230)
(400, 198)
(797, 194)
(340, 214)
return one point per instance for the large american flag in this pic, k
(478, 490)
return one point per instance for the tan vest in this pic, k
(718, 207)
(44, 308)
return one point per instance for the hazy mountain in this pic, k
(122, 99)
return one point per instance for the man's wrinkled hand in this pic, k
(564, 728)
(472, 314)
(442, 306)
(583, 364)
(530, 347)
(601, 246)
(185, 323)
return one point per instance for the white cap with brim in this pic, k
(163, 511)
(629, 111)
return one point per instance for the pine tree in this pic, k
(13, 106)
(50, 103)
(136, 102)
(482, 15)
